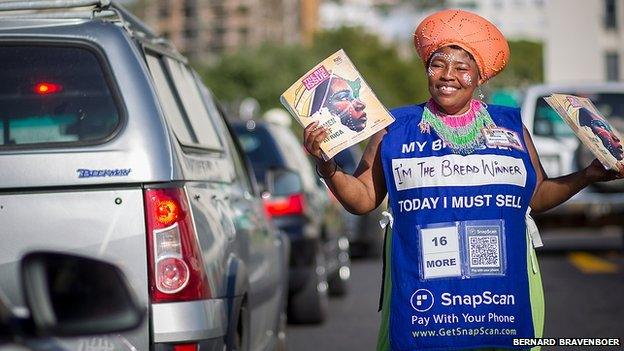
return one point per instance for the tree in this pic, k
(264, 73)
(525, 66)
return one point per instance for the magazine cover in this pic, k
(591, 127)
(335, 94)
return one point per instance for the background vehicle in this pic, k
(595, 216)
(68, 295)
(111, 147)
(365, 233)
(303, 209)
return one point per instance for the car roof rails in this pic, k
(44, 8)
(73, 9)
(82, 9)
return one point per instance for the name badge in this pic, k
(502, 137)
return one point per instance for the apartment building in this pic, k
(203, 29)
(584, 41)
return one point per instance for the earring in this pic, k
(480, 92)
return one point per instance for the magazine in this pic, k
(335, 94)
(591, 127)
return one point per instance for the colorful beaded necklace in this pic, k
(462, 133)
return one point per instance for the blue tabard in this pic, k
(459, 248)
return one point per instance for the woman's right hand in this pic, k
(312, 138)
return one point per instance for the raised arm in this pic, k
(551, 192)
(361, 192)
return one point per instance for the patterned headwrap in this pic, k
(467, 30)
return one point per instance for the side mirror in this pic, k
(283, 182)
(69, 295)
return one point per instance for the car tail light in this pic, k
(176, 269)
(45, 88)
(285, 205)
(185, 347)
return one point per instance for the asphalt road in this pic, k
(584, 298)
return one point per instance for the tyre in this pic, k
(238, 332)
(374, 247)
(338, 285)
(309, 305)
(338, 282)
(281, 334)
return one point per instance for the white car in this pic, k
(594, 217)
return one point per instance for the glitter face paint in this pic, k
(467, 79)
(448, 58)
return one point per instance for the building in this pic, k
(202, 29)
(516, 19)
(395, 20)
(584, 41)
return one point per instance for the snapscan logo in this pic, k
(422, 300)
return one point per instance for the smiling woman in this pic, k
(460, 176)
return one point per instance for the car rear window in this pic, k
(260, 148)
(52, 96)
(548, 122)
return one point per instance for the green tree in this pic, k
(525, 66)
(264, 73)
(261, 73)
(396, 81)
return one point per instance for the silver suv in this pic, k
(110, 146)
(593, 218)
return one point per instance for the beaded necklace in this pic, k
(462, 133)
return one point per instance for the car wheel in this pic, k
(281, 334)
(238, 341)
(374, 247)
(338, 285)
(338, 282)
(310, 304)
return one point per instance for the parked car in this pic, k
(112, 147)
(600, 207)
(302, 208)
(68, 295)
(365, 234)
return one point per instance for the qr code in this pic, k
(484, 251)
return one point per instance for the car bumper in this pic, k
(180, 322)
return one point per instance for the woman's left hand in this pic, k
(596, 172)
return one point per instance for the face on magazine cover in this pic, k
(342, 102)
(603, 131)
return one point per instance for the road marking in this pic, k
(591, 264)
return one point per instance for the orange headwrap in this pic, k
(467, 30)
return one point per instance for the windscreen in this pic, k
(346, 159)
(260, 148)
(53, 95)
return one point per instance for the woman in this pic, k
(461, 271)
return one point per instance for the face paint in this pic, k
(467, 79)
(448, 58)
